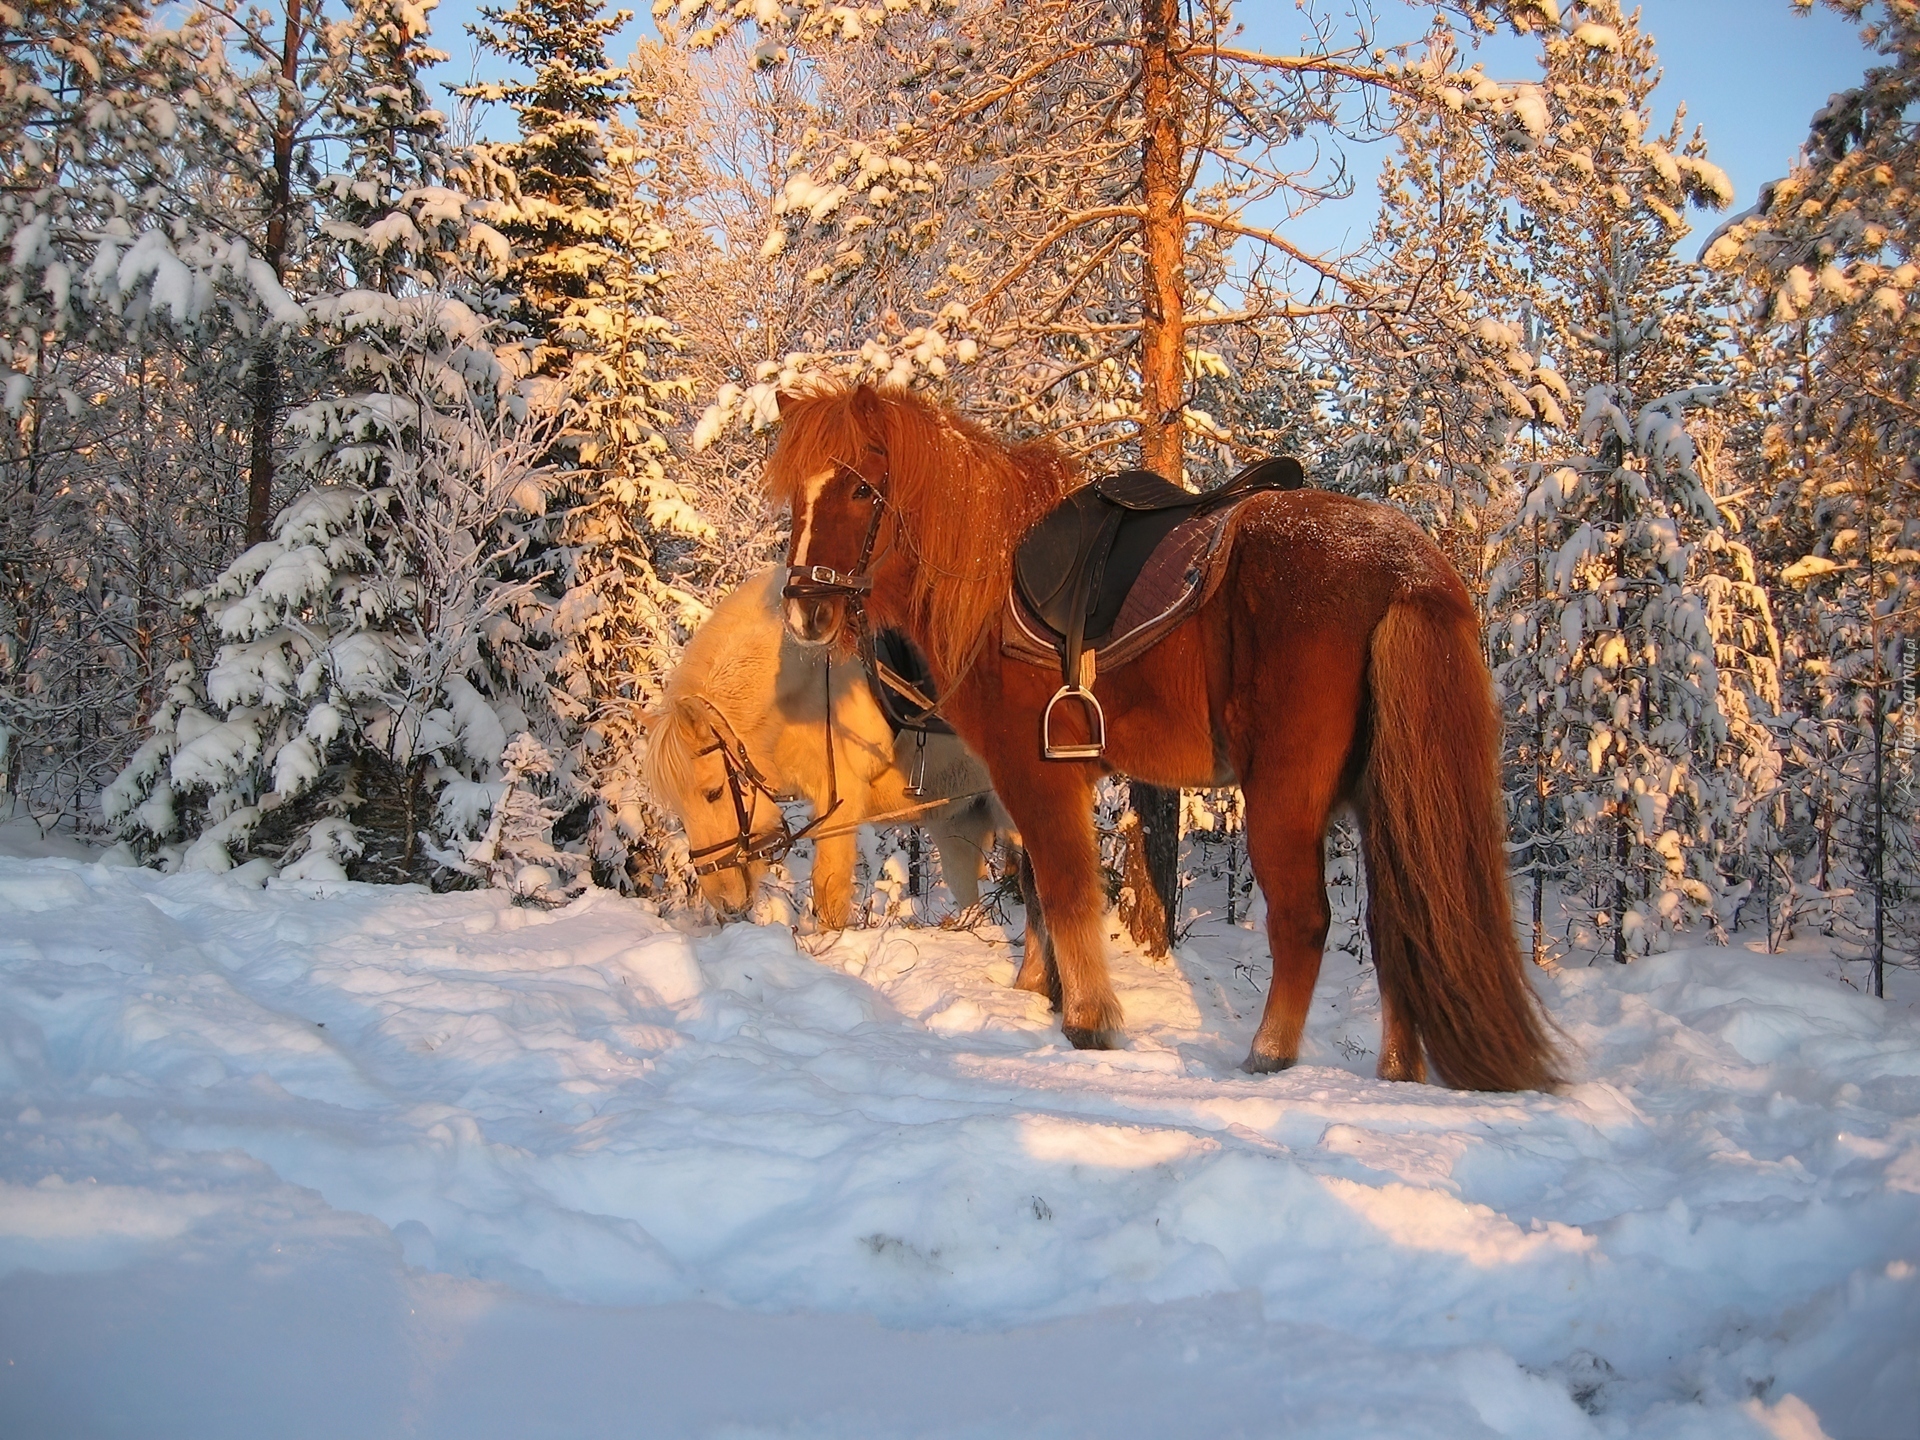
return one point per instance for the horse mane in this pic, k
(961, 499)
(732, 662)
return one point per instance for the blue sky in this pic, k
(1751, 71)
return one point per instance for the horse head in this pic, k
(834, 475)
(698, 767)
(904, 515)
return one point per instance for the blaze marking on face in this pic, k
(796, 610)
(803, 515)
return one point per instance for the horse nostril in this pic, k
(810, 621)
(803, 620)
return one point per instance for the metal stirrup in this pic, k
(1080, 689)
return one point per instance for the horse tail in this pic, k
(1440, 911)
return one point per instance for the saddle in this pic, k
(1113, 569)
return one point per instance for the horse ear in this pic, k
(866, 402)
(695, 712)
(650, 721)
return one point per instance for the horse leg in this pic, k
(833, 861)
(1401, 1054)
(1038, 973)
(1286, 835)
(1055, 817)
(959, 852)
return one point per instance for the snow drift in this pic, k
(329, 1159)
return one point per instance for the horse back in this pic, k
(1335, 562)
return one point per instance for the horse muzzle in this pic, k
(815, 622)
(817, 598)
(730, 892)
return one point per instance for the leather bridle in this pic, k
(823, 582)
(919, 713)
(744, 782)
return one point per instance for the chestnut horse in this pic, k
(1337, 662)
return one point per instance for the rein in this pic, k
(905, 812)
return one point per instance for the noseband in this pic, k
(823, 582)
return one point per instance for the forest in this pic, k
(370, 453)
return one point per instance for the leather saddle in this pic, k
(1112, 570)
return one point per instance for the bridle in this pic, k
(903, 704)
(823, 582)
(744, 782)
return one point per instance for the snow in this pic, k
(324, 1158)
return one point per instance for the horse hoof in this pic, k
(1033, 984)
(1083, 1039)
(1258, 1064)
(1395, 1066)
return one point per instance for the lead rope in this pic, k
(833, 778)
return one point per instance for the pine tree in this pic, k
(1632, 609)
(1833, 254)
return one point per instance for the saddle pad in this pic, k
(1045, 563)
(1186, 566)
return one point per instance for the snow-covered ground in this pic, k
(353, 1162)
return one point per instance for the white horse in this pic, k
(742, 681)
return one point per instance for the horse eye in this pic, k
(863, 491)
(713, 795)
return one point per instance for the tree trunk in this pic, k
(266, 408)
(1621, 848)
(1163, 371)
(1158, 811)
(1877, 854)
(266, 355)
(1140, 909)
(1540, 782)
(1163, 358)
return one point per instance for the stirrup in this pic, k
(916, 785)
(1095, 715)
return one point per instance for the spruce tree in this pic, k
(1832, 254)
(550, 189)
(582, 197)
(382, 648)
(1626, 594)
(1437, 382)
